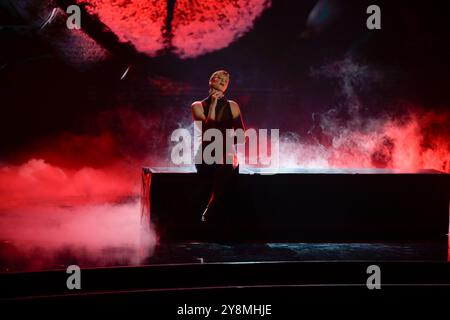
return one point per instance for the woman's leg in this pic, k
(222, 177)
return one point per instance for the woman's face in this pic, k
(219, 82)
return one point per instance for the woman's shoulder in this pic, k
(234, 108)
(233, 104)
(196, 104)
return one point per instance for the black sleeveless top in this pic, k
(224, 117)
(224, 120)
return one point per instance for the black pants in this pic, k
(221, 176)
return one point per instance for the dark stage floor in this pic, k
(279, 274)
(199, 252)
(12, 259)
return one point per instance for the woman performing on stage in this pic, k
(220, 113)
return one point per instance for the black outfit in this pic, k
(220, 174)
(224, 120)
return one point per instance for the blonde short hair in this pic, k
(220, 72)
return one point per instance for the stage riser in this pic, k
(304, 207)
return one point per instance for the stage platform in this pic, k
(294, 204)
(282, 284)
(280, 274)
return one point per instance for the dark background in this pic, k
(273, 74)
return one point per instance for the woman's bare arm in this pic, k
(197, 111)
(238, 123)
